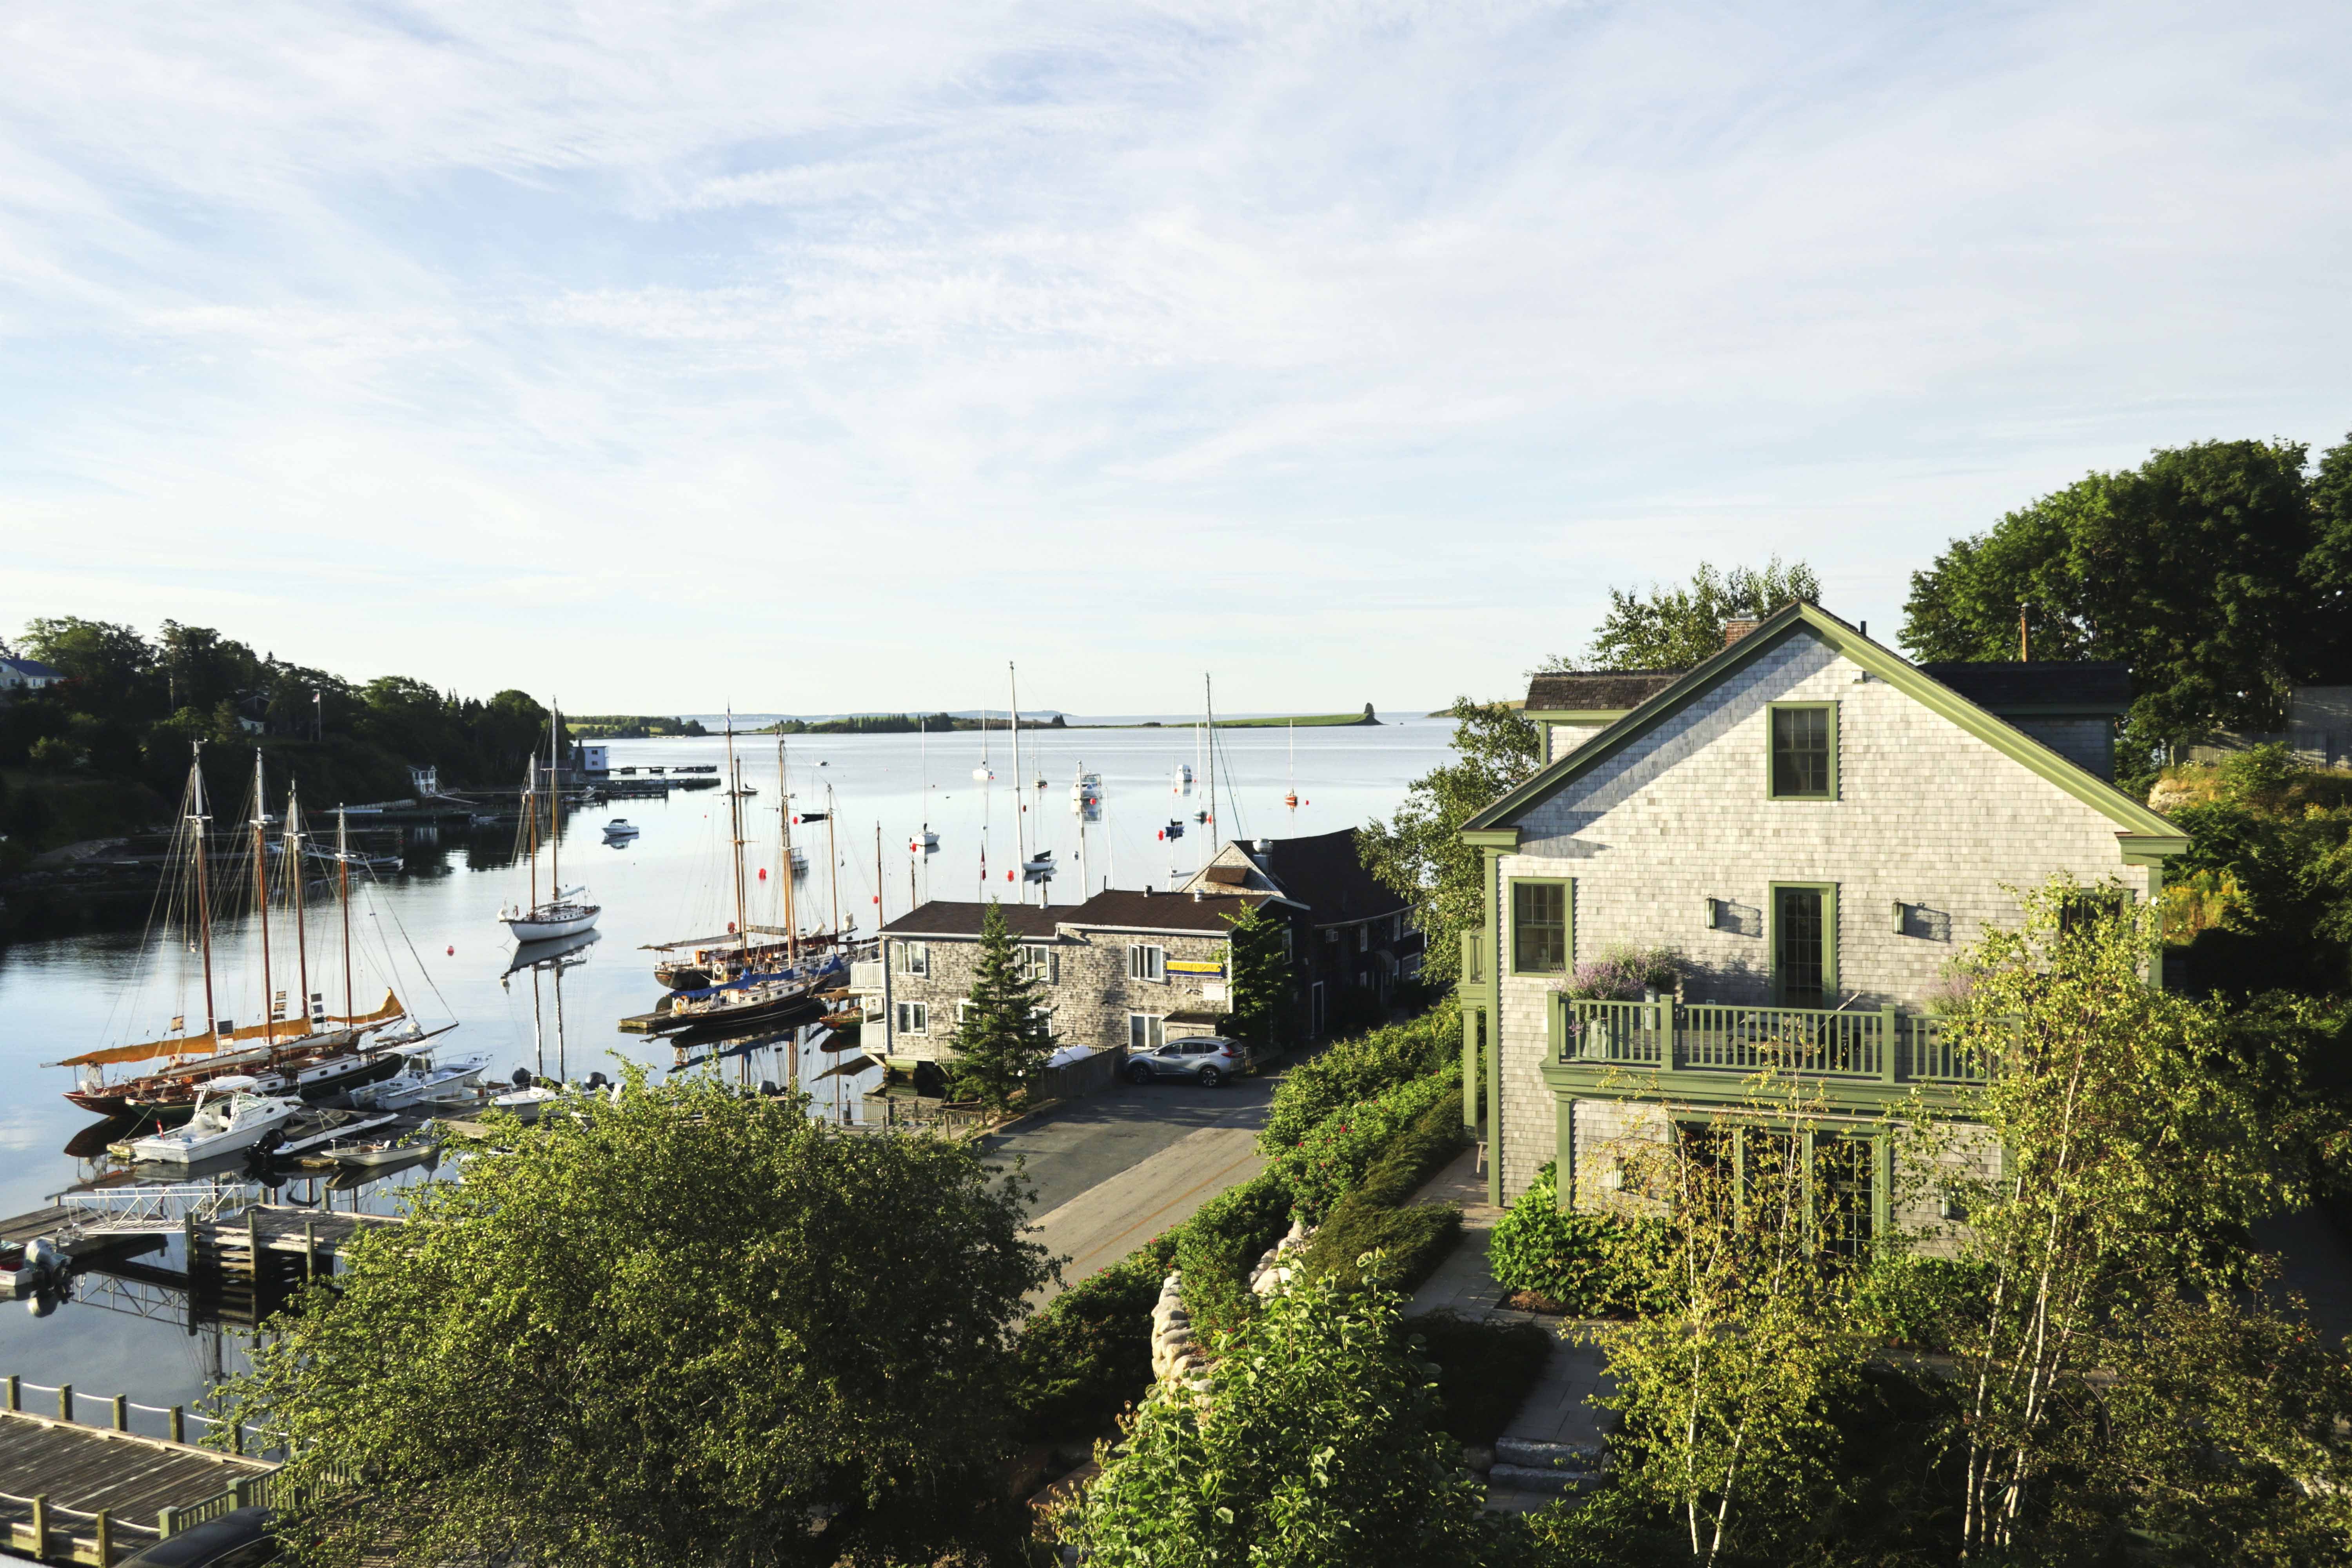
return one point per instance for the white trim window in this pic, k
(1146, 1032)
(1145, 962)
(914, 1018)
(1040, 964)
(915, 959)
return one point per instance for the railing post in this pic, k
(15, 1391)
(1888, 1067)
(105, 1528)
(167, 1521)
(179, 1424)
(236, 1437)
(64, 1402)
(122, 1413)
(40, 1527)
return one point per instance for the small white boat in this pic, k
(526, 1104)
(228, 1116)
(564, 915)
(620, 828)
(421, 1078)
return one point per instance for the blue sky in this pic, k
(827, 358)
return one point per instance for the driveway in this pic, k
(1119, 1168)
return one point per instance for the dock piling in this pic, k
(122, 1413)
(15, 1391)
(105, 1539)
(179, 1423)
(64, 1402)
(40, 1527)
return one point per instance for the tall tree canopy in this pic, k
(676, 1326)
(2220, 572)
(1420, 853)
(1673, 628)
(1003, 1038)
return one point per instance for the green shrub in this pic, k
(1591, 1266)
(1376, 1214)
(1483, 1370)
(1087, 1356)
(1915, 1301)
(1331, 1160)
(1216, 1248)
(1351, 1071)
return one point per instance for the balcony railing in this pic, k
(1881, 1044)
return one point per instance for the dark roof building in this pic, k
(1113, 910)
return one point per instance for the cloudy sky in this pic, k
(810, 358)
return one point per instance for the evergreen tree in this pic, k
(1258, 977)
(1001, 1041)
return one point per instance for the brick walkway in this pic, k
(1557, 1407)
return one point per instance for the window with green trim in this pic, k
(1804, 751)
(1538, 928)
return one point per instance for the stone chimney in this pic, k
(1734, 630)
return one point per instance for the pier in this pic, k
(71, 1492)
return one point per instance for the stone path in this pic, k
(1558, 1409)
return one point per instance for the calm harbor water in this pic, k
(432, 928)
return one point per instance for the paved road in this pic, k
(1117, 1169)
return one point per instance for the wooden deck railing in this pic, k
(1706, 1036)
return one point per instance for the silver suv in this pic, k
(1203, 1057)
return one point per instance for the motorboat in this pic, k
(228, 1116)
(526, 1104)
(315, 1127)
(620, 830)
(421, 1077)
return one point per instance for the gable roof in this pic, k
(1115, 909)
(33, 670)
(1595, 690)
(2151, 834)
(1326, 872)
(2044, 686)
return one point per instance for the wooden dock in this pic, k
(76, 1493)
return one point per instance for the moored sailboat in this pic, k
(565, 913)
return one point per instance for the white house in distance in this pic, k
(25, 675)
(1813, 826)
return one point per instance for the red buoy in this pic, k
(764, 873)
(453, 949)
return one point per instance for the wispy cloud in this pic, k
(511, 344)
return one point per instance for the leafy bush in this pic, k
(1331, 1161)
(1483, 1370)
(1376, 1216)
(1216, 1248)
(1913, 1300)
(1590, 1265)
(1357, 1069)
(1087, 1355)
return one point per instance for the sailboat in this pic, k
(564, 914)
(308, 1059)
(697, 963)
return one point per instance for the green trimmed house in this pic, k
(1812, 826)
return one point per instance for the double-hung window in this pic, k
(1037, 963)
(1538, 927)
(1147, 963)
(915, 959)
(914, 1018)
(1145, 1032)
(1804, 751)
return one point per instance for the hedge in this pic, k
(1219, 1245)
(1331, 1160)
(1483, 1370)
(1589, 1265)
(1360, 1068)
(1087, 1355)
(1379, 1214)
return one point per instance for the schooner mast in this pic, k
(261, 904)
(197, 819)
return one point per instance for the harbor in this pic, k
(434, 919)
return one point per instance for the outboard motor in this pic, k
(597, 1080)
(522, 1077)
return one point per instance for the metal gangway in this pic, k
(149, 1210)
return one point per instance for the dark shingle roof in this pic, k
(1116, 907)
(1326, 872)
(2009, 687)
(1606, 690)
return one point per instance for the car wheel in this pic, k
(1139, 1073)
(1210, 1077)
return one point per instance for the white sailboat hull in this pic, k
(545, 924)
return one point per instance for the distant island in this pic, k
(898, 724)
(1303, 720)
(630, 727)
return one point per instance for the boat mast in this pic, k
(1209, 735)
(878, 875)
(1020, 807)
(735, 818)
(530, 826)
(832, 863)
(344, 882)
(293, 840)
(261, 904)
(554, 816)
(784, 841)
(203, 901)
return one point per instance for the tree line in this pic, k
(104, 750)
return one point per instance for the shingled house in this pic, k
(1122, 970)
(1812, 826)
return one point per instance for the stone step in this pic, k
(1529, 1453)
(1526, 1479)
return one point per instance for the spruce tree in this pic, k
(1001, 1041)
(1258, 973)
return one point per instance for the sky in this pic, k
(660, 358)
